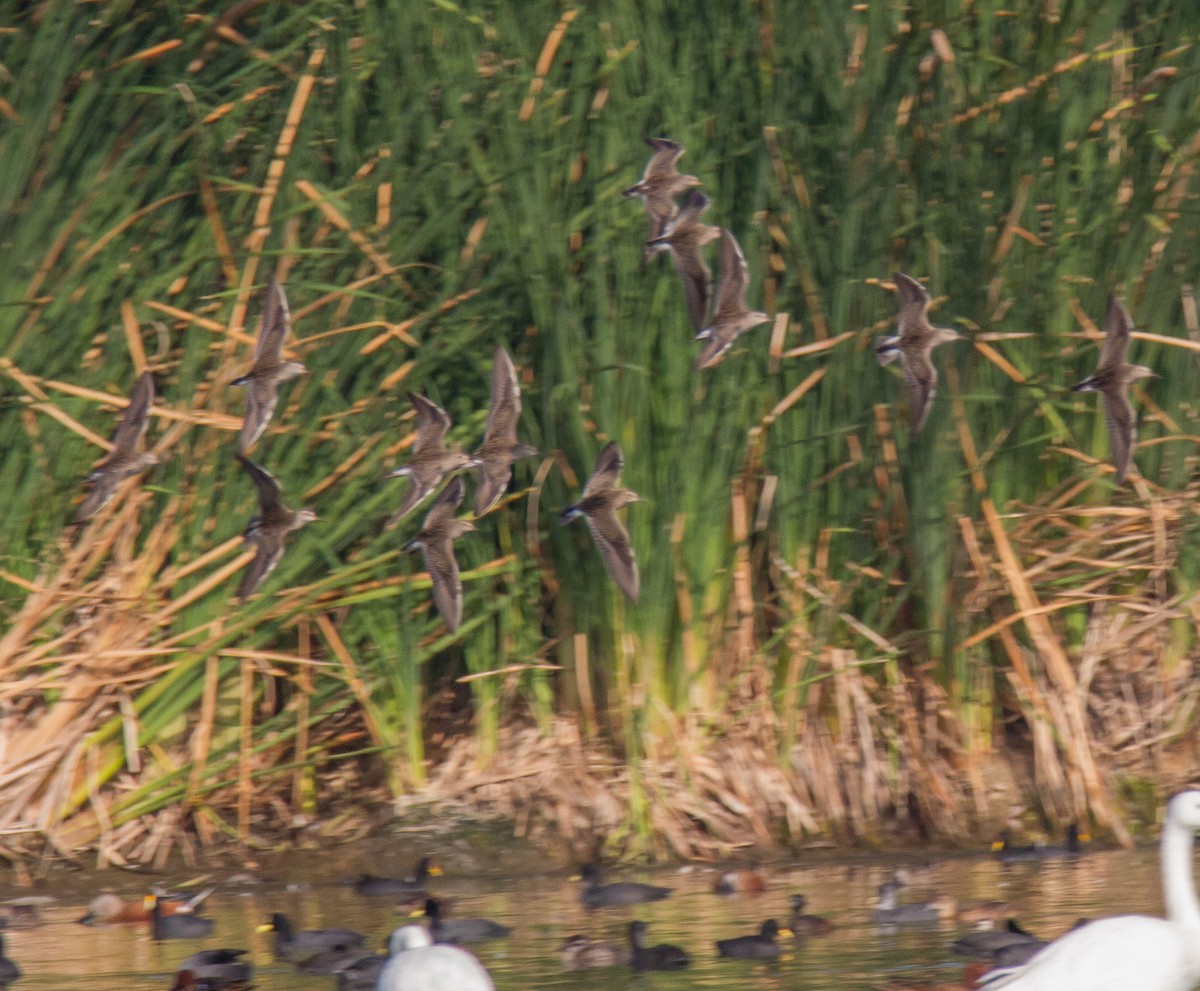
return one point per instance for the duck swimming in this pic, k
(597, 895)
(744, 880)
(661, 957)
(580, 953)
(889, 911)
(763, 945)
(1071, 847)
(461, 930)
(803, 924)
(298, 946)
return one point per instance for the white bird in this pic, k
(1129, 952)
(417, 965)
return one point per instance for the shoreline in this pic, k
(576, 801)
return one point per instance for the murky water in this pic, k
(542, 908)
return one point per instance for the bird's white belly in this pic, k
(1124, 953)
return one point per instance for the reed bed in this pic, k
(845, 629)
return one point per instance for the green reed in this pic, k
(836, 145)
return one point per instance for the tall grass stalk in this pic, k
(430, 179)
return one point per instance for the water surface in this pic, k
(542, 907)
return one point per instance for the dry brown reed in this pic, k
(862, 740)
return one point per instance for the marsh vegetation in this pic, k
(843, 626)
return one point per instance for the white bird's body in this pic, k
(1129, 952)
(417, 965)
(1100, 951)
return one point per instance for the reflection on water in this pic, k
(543, 908)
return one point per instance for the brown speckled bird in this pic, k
(913, 345)
(494, 459)
(659, 185)
(683, 237)
(602, 497)
(581, 952)
(431, 460)
(731, 318)
(269, 529)
(1112, 379)
(127, 457)
(269, 370)
(435, 541)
